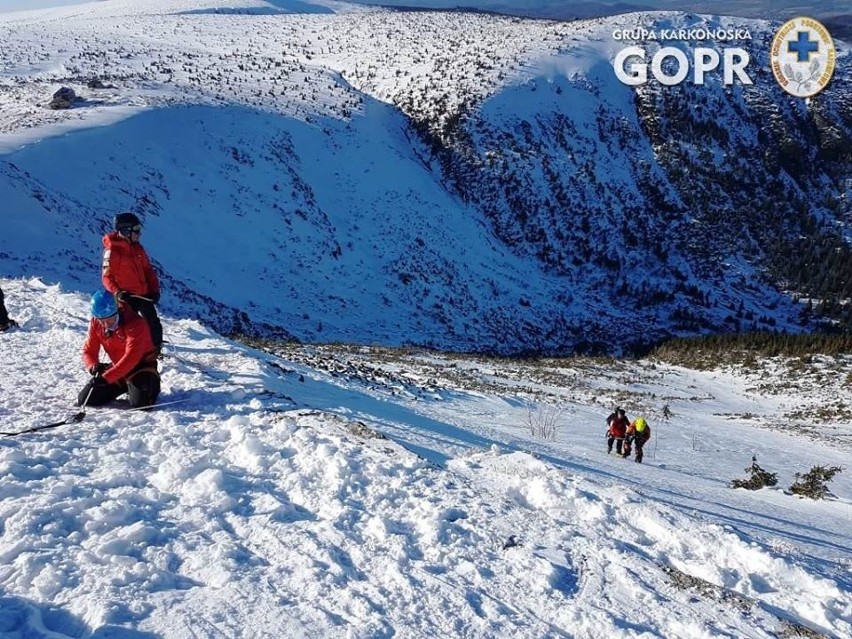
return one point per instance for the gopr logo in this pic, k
(803, 57)
(671, 65)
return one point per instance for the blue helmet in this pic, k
(103, 304)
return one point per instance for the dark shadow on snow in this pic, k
(276, 7)
(24, 618)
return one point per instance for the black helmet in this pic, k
(123, 222)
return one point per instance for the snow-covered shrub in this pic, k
(544, 421)
(813, 483)
(759, 478)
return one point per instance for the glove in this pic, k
(121, 297)
(99, 381)
(154, 297)
(99, 368)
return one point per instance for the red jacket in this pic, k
(126, 267)
(129, 345)
(618, 426)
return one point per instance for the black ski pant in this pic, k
(618, 442)
(4, 315)
(637, 443)
(142, 389)
(148, 312)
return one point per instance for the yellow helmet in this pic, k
(641, 424)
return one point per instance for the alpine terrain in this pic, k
(465, 181)
(410, 261)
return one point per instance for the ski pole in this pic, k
(77, 417)
(82, 412)
(150, 406)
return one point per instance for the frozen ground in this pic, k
(342, 492)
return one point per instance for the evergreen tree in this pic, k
(813, 483)
(759, 478)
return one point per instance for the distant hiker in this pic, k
(638, 434)
(128, 274)
(5, 322)
(616, 430)
(127, 341)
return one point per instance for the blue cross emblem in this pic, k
(803, 47)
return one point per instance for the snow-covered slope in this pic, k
(260, 499)
(466, 181)
(560, 10)
(326, 222)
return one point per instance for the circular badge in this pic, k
(803, 57)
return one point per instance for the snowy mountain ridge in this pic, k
(354, 493)
(463, 181)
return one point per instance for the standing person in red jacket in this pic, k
(617, 424)
(128, 274)
(6, 322)
(127, 341)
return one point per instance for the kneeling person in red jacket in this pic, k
(127, 341)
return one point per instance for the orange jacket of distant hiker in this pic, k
(639, 430)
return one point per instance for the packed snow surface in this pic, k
(355, 492)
